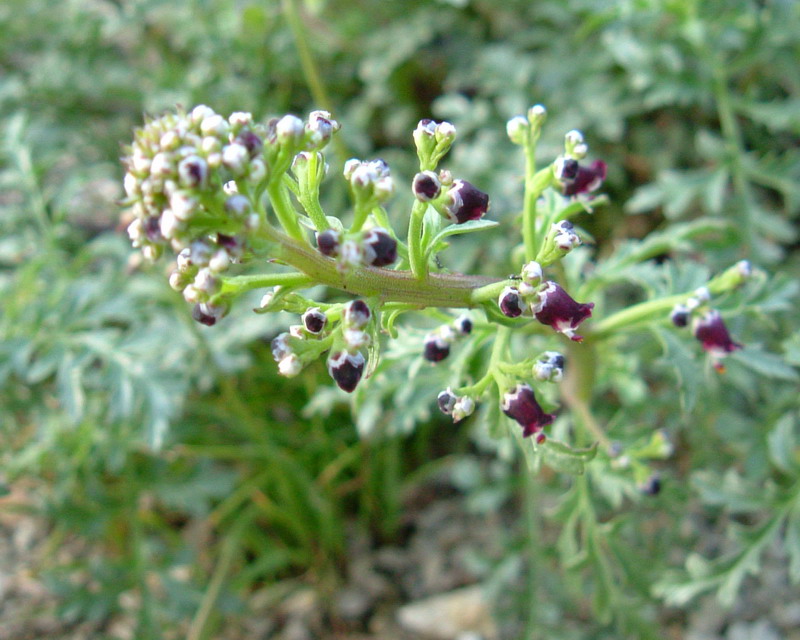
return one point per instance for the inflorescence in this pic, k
(220, 192)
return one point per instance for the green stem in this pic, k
(637, 313)
(529, 204)
(416, 253)
(533, 544)
(436, 290)
(279, 198)
(239, 284)
(310, 70)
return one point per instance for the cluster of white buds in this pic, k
(183, 176)
(575, 145)
(437, 343)
(549, 367)
(370, 179)
(433, 140)
(522, 130)
(458, 407)
(565, 237)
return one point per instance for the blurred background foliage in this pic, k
(164, 445)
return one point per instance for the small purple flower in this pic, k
(436, 348)
(314, 320)
(711, 331)
(521, 405)
(207, 314)
(446, 401)
(463, 325)
(465, 202)
(510, 302)
(426, 186)
(586, 180)
(557, 309)
(346, 369)
(250, 141)
(328, 243)
(380, 249)
(680, 315)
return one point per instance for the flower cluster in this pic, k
(221, 192)
(547, 301)
(186, 176)
(707, 323)
(436, 346)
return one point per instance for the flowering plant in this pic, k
(222, 192)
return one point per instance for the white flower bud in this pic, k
(131, 185)
(200, 112)
(445, 131)
(214, 126)
(258, 170)
(290, 366)
(235, 157)
(206, 281)
(170, 140)
(136, 232)
(517, 129)
(532, 273)
(183, 205)
(463, 407)
(289, 129)
(169, 224)
(230, 188)
(162, 165)
(355, 339)
(210, 144)
(220, 261)
(240, 118)
(702, 294)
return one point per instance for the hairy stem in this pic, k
(436, 290)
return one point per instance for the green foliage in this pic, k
(693, 105)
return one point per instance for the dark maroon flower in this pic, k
(206, 314)
(510, 302)
(466, 202)
(557, 309)
(250, 141)
(446, 401)
(651, 486)
(521, 405)
(680, 315)
(586, 180)
(463, 325)
(380, 249)
(152, 227)
(436, 348)
(314, 320)
(328, 243)
(711, 331)
(346, 369)
(426, 186)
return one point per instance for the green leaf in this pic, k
(686, 364)
(783, 444)
(437, 242)
(560, 457)
(767, 364)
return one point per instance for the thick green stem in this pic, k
(416, 253)
(437, 290)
